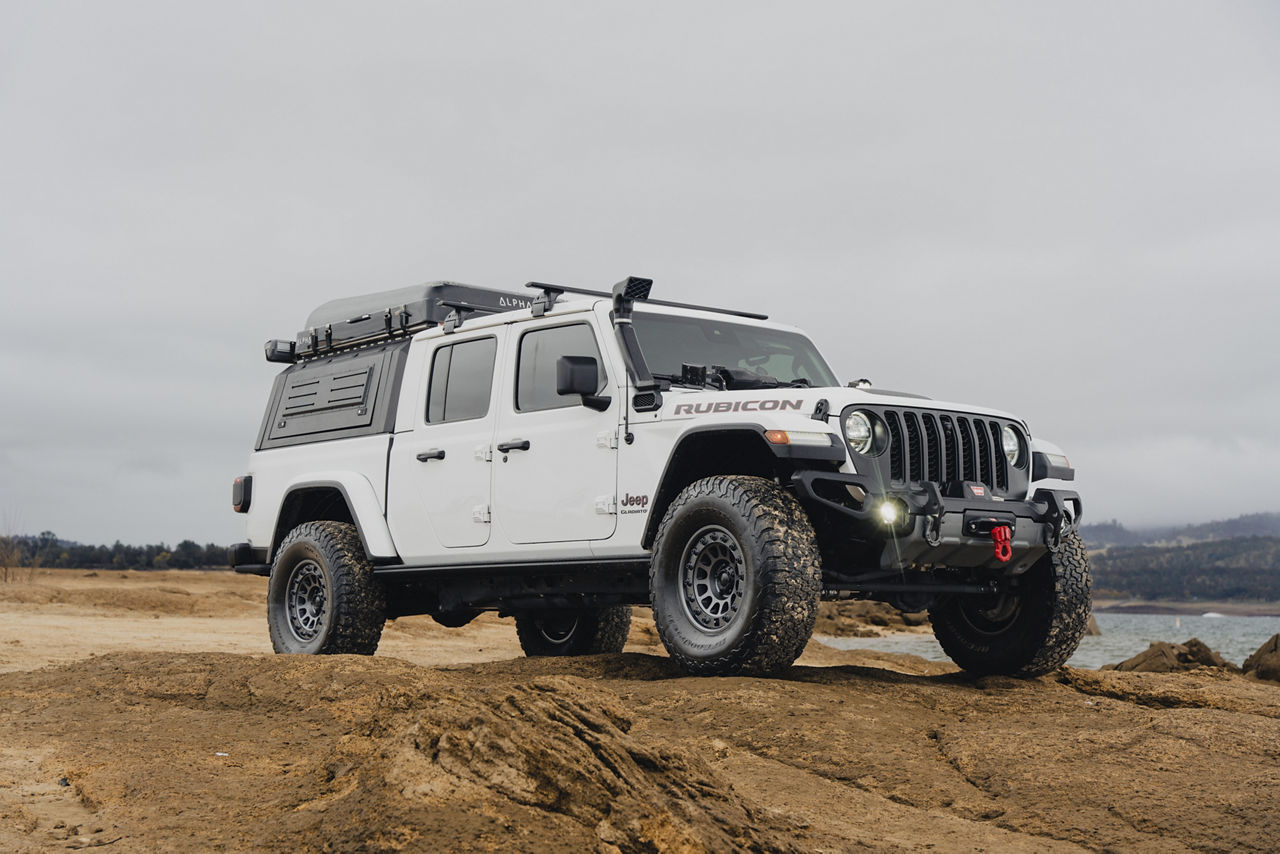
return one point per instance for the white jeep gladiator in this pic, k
(561, 456)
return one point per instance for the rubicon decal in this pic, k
(737, 406)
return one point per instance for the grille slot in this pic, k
(896, 471)
(1002, 462)
(916, 455)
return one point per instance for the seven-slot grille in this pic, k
(944, 446)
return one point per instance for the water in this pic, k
(1123, 636)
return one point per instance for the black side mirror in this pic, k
(580, 375)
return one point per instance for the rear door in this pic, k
(558, 480)
(439, 484)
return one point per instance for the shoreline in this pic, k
(1184, 609)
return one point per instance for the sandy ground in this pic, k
(145, 712)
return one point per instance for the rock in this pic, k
(863, 619)
(1092, 629)
(1164, 657)
(1265, 662)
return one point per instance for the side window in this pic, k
(461, 380)
(536, 364)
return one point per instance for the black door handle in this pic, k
(433, 454)
(514, 445)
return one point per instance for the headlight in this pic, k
(857, 429)
(1012, 445)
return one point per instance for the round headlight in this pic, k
(1012, 445)
(857, 429)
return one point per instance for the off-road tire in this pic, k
(752, 529)
(348, 609)
(1048, 619)
(574, 632)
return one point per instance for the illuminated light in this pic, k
(796, 437)
(888, 512)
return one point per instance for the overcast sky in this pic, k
(1068, 211)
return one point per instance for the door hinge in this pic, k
(480, 513)
(607, 505)
(607, 439)
(484, 453)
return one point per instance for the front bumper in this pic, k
(940, 530)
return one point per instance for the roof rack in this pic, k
(636, 289)
(361, 321)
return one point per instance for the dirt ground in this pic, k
(145, 712)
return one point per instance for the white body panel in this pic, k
(358, 467)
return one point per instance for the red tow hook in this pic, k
(1001, 536)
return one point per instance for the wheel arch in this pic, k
(338, 497)
(720, 449)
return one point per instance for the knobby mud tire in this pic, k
(1052, 616)
(355, 602)
(781, 577)
(589, 631)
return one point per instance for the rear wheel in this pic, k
(322, 597)
(1030, 629)
(574, 632)
(735, 578)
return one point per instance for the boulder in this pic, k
(1265, 663)
(1164, 657)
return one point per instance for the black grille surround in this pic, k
(914, 444)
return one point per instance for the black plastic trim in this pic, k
(245, 558)
(1041, 468)
(559, 567)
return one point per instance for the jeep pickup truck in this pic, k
(561, 455)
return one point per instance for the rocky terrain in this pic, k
(144, 711)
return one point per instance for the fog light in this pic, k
(890, 513)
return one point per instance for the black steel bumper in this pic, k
(244, 558)
(940, 530)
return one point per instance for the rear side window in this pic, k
(461, 380)
(536, 368)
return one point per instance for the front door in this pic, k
(558, 477)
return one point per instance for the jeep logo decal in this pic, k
(737, 406)
(633, 503)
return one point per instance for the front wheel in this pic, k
(587, 631)
(1030, 629)
(322, 598)
(735, 578)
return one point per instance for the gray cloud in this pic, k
(1068, 212)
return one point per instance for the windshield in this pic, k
(670, 341)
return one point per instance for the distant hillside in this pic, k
(1236, 568)
(1104, 534)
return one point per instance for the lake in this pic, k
(1123, 636)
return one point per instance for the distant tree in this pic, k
(161, 560)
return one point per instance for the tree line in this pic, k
(1237, 568)
(46, 550)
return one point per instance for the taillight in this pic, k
(241, 493)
